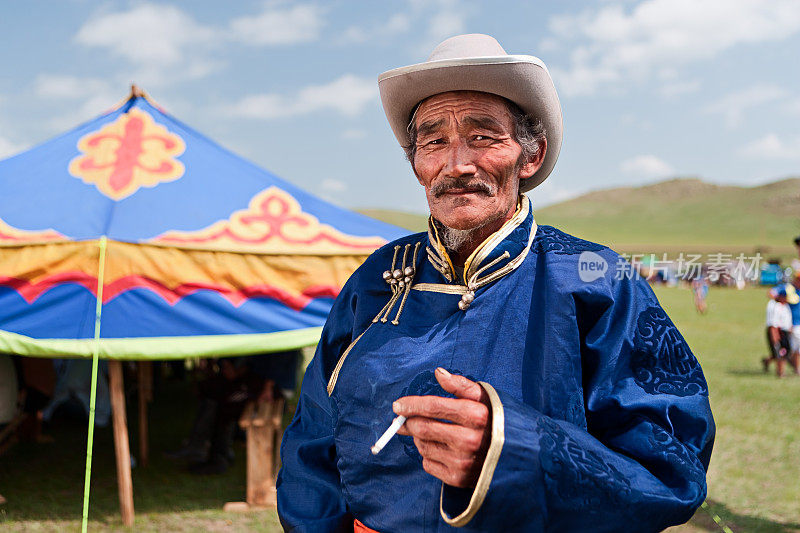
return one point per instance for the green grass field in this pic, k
(754, 478)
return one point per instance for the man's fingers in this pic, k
(447, 475)
(459, 386)
(454, 459)
(460, 439)
(435, 468)
(469, 408)
(467, 413)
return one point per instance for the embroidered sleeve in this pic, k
(639, 461)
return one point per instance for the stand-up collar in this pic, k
(502, 252)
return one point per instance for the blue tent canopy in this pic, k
(189, 249)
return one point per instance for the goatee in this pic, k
(455, 240)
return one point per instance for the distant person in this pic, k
(224, 392)
(72, 396)
(700, 292)
(796, 260)
(37, 382)
(8, 396)
(794, 286)
(8, 390)
(779, 328)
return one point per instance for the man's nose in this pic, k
(460, 160)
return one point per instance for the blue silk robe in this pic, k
(600, 412)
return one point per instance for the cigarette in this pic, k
(388, 434)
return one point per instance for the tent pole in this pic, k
(121, 445)
(93, 392)
(145, 369)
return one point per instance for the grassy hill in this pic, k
(410, 221)
(678, 215)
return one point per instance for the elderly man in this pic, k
(542, 392)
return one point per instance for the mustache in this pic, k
(469, 183)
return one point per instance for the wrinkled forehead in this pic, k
(460, 106)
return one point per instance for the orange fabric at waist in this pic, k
(358, 527)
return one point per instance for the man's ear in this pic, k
(533, 165)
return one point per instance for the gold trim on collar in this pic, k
(443, 288)
(483, 250)
(438, 255)
(440, 259)
(475, 283)
(489, 463)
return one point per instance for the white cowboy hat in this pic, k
(476, 62)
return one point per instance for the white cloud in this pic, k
(163, 42)
(57, 86)
(612, 44)
(86, 97)
(442, 19)
(437, 20)
(146, 34)
(773, 147)
(679, 88)
(646, 166)
(449, 19)
(734, 105)
(793, 106)
(355, 34)
(550, 192)
(548, 44)
(332, 185)
(279, 26)
(353, 134)
(9, 148)
(348, 95)
(396, 24)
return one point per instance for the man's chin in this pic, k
(466, 221)
(462, 213)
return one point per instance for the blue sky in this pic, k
(650, 89)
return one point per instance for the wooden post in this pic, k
(259, 462)
(263, 423)
(277, 423)
(121, 445)
(145, 370)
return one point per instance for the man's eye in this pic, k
(482, 138)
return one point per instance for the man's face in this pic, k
(467, 159)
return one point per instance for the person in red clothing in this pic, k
(779, 329)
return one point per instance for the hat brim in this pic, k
(522, 79)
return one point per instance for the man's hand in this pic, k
(453, 452)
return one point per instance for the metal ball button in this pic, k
(466, 300)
